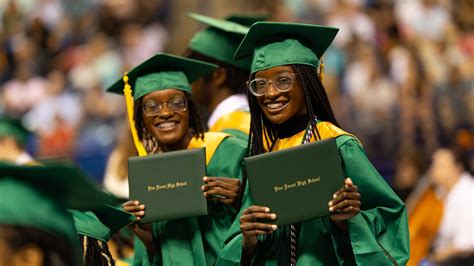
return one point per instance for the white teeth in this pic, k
(167, 125)
(275, 105)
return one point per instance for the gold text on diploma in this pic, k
(299, 183)
(167, 186)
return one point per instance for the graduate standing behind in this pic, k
(13, 139)
(289, 107)
(165, 118)
(95, 229)
(222, 91)
(35, 227)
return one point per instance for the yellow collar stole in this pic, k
(211, 141)
(325, 129)
(238, 120)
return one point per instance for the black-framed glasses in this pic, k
(176, 104)
(282, 83)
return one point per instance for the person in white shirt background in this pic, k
(454, 242)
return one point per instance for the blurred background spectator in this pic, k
(399, 75)
(454, 240)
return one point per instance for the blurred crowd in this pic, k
(56, 60)
(399, 75)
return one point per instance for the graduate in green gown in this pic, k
(95, 227)
(35, 227)
(165, 118)
(289, 107)
(222, 92)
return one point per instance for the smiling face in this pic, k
(168, 127)
(279, 107)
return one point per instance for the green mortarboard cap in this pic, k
(220, 40)
(163, 71)
(246, 20)
(282, 43)
(38, 196)
(101, 222)
(14, 128)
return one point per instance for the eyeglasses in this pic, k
(282, 83)
(176, 104)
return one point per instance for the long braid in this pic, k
(95, 252)
(138, 116)
(196, 124)
(311, 115)
(104, 251)
(312, 83)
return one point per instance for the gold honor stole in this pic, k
(238, 120)
(33, 163)
(326, 130)
(211, 141)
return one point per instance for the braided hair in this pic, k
(196, 124)
(95, 252)
(263, 133)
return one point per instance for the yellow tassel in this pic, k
(127, 91)
(321, 69)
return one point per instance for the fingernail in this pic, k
(330, 203)
(267, 210)
(203, 188)
(273, 216)
(142, 213)
(204, 194)
(204, 178)
(142, 207)
(331, 209)
(274, 227)
(137, 202)
(334, 196)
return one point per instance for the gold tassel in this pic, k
(321, 69)
(127, 91)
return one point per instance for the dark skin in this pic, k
(211, 93)
(171, 130)
(279, 107)
(29, 254)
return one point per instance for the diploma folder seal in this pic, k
(296, 183)
(169, 184)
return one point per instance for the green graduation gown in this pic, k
(198, 240)
(378, 235)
